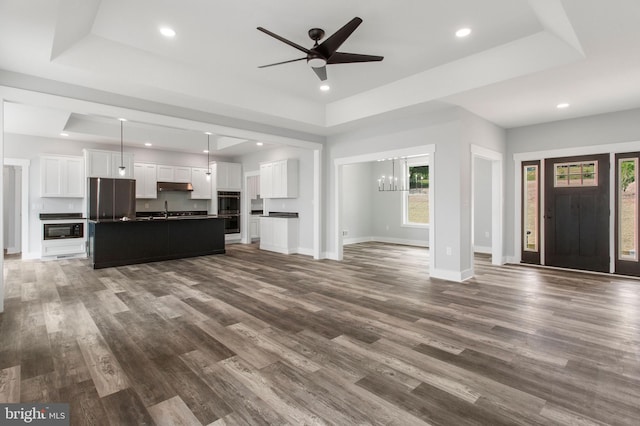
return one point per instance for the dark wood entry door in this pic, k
(577, 212)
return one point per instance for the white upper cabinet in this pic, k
(99, 163)
(62, 176)
(174, 174)
(279, 179)
(201, 185)
(228, 176)
(146, 180)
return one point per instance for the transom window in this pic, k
(583, 173)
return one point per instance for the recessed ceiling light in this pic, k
(206, 151)
(563, 105)
(147, 144)
(167, 32)
(122, 119)
(64, 134)
(463, 32)
(325, 87)
(207, 133)
(259, 143)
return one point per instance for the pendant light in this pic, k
(208, 168)
(392, 183)
(122, 170)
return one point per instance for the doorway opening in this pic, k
(16, 201)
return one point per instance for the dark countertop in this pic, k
(282, 215)
(156, 219)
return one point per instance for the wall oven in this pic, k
(229, 209)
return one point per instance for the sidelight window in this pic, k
(530, 207)
(627, 209)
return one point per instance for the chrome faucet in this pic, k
(166, 209)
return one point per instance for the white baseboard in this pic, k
(13, 250)
(305, 251)
(455, 276)
(512, 259)
(330, 255)
(278, 249)
(402, 241)
(482, 249)
(356, 240)
(32, 255)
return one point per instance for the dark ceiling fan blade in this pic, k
(280, 63)
(330, 45)
(284, 40)
(346, 58)
(321, 72)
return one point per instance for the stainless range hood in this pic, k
(175, 186)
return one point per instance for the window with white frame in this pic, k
(415, 206)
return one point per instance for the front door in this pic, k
(577, 212)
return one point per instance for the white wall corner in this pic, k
(305, 251)
(455, 276)
(482, 249)
(356, 240)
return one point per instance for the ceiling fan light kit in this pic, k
(325, 53)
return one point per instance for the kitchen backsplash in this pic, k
(178, 201)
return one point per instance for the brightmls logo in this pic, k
(34, 414)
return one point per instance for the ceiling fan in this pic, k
(325, 53)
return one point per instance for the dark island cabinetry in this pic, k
(116, 243)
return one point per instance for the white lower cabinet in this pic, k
(254, 227)
(279, 234)
(64, 247)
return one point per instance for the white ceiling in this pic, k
(522, 58)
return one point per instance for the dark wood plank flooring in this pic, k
(254, 337)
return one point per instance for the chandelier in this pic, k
(395, 182)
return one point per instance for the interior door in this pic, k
(627, 217)
(577, 212)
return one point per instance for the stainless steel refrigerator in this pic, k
(112, 199)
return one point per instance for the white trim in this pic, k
(454, 276)
(246, 209)
(317, 204)
(24, 165)
(305, 251)
(497, 201)
(613, 192)
(416, 225)
(356, 240)
(279, 249)
(401, 241)
(482, 249)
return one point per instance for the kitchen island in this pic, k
(141, 240)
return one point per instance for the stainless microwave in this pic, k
(58, 231)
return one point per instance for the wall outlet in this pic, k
(387, 227)
(345, 233)
(486, 234)
(70, 206)
(449, 251)
(146, 205)
(195, 205)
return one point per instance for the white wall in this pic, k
(303, 205)
(603, 129)
(482, 205)
(357, 202)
